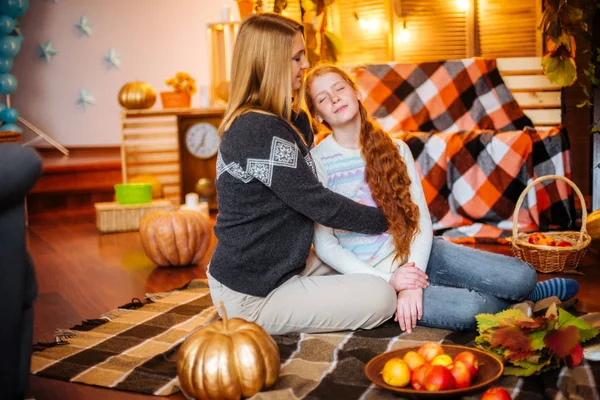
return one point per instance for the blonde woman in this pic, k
(269, 197)
(360, 161)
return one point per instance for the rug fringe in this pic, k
(63, 335)
(112, 314)
(154, 297)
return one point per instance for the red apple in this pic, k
(439, 378)
(563, 243)
(470, 360)
(537, 238)
(418, 376)
(430, 350)
(461, 375)
(496, 393)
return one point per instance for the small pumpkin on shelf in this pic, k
(137, 95)
(175, 238)
(227, 359)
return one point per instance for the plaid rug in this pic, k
(136, 350)
(444, 96)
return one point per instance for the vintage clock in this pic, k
(198, 146)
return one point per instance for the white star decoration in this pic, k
(47, 51)
(85, 99)
(84, 26)
(113, 58)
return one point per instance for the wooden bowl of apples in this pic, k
(434, 370)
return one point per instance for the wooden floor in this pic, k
(82, 274)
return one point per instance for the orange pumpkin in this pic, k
(173, 238)
(227, 359)
(137, 95)
(156, 185)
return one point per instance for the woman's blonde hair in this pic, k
(385, 171)
(260, 70)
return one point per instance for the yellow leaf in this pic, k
(562, 72)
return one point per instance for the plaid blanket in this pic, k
(136, 350)
(473, 179)
(481, 156)
(447, 96)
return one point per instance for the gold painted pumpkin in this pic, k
(593, 225)
(137, 95)
(227, 359)
(173, 238)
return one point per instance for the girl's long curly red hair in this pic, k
(385, 172)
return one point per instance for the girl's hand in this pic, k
(409, 309)
(408, 277)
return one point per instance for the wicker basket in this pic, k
(550, 258)
(113, 217)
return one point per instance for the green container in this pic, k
(133, 193)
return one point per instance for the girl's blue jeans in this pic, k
(465, 282)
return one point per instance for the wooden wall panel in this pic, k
(508, 28)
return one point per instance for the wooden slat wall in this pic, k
(361, 46)
(539, 98)
(507, 28)
(438, 31)
(150, 147)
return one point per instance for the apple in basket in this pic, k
(537, 238)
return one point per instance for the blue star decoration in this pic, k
(47, 51)
(85, 99)
(113, 59)
(84, 26)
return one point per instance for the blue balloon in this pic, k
(8, 83)
(9, 46)
(6, 64)
(9, 115)
(11, 128)
(14, 8)
(7, 25)
(2, 106)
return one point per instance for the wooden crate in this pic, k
(113, 217)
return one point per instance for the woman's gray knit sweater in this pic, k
(269, 197)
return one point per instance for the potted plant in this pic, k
(184, 86)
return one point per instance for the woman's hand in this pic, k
(409, 309)
(408, 277)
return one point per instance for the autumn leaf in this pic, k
(562, 72)
(522, 368)
(532, 324)
(537, 340)
(486, 321)
(576, 356)
(518, 355)
(562, 341)
(570, 16)
(586, 331)
(511, 337)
